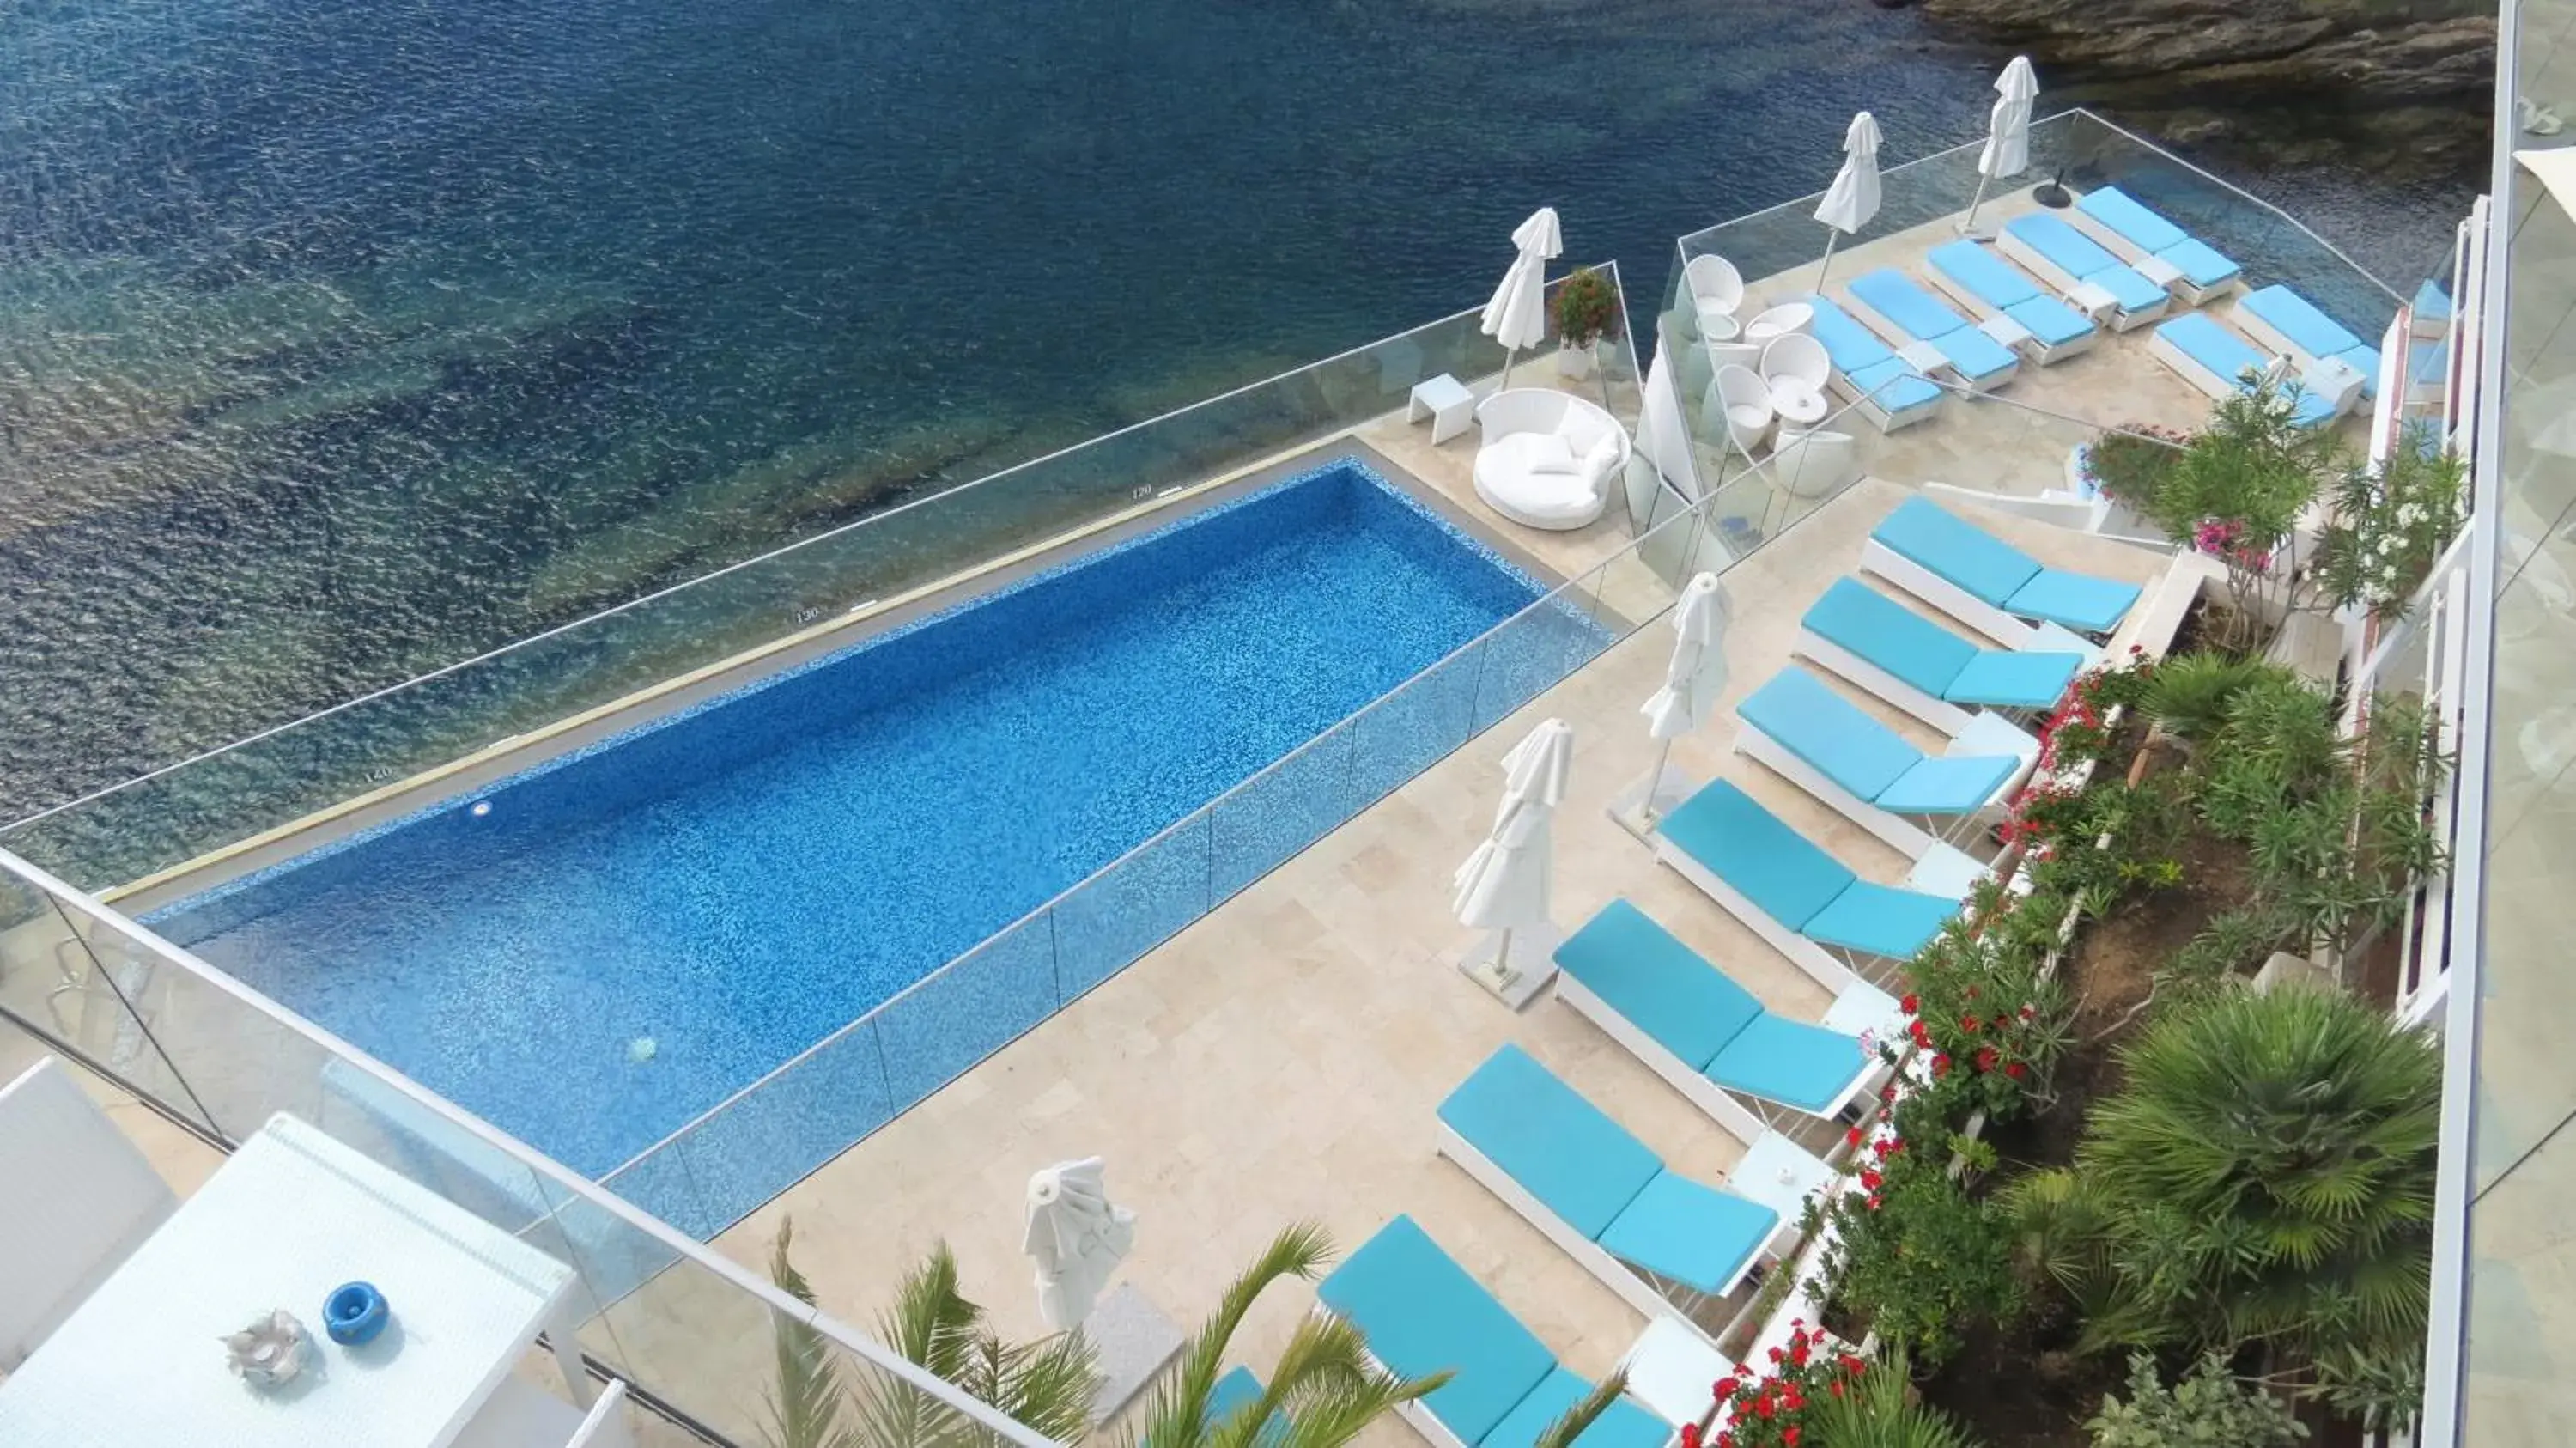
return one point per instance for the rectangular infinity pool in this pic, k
(594, 952)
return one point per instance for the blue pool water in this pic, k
(737, 882)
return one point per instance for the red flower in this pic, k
(1890, 1147)
(1836, 1386)
(2029, 1011)
(1690, 1435)
(1852, 1136)
(1969, 1024)
(1789, 1437)
(1853, 1364)
(1910, 1004)
(1986, 1059)
(1764, 1408)
(1725, 1440)
(1887, 1092)
(1873, 1202)
(1798, 1351)
(1921, 1034)
(1775, 1354)
(2017, 1070)
(1940, 1065)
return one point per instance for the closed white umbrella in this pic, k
(2007, 148)
(1504, 884)
(1517, 315)
(1853, 198)
(1077, 1236)
(1693, 677)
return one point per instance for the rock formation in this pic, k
(2402, 83)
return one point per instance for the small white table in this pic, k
(2333, 379)
(290, 1216)
(2094, 300)
(1446, 401)
(1798, 404)
(1925, 358)
(2005, 330)
(2158, 270)
(1780, 1174)
(1672, 1370)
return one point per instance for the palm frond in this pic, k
(1178, 1416)
(1585, 1412)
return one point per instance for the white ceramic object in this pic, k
(269, 1352)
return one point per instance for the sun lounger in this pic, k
(1991, 288)
(1927, 333)
(2222, 364)
(2281, 319)
(1867, 373)
(1925, 669)
(1599, 1192)
(2188, 267)
(1809, 906)
(1423, 1314)
(1977, 578)
(1752, 1071)
(2098, 283)
(1831, 748)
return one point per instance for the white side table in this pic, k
(2094, 300)
(2333, 379)
(2005, 330)
(292, 1215)
(2158, 270)
(1446, 401)
(1672, 1370)
(1799, 405)
(1781, 1175)
(1925, 358)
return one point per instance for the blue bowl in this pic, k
(354, 1313)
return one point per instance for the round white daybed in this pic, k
(1547, 459)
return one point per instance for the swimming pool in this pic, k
(594, 952)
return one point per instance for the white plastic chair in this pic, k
(1772, 323)
(1734, 354)
(1717, 290)
(1744, 402)
(78, 1198)
(1813, 464)
(1800, 356)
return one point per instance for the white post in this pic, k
(1655, 783)
(1832, 235)
(1509, 353)
(1969, 226)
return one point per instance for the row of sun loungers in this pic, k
(1574, 1172)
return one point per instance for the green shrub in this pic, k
(2212, 1408)
(2190, 693)
(1586, 308)
(2128, 465)
(1876, 1410)
(2390, 524)
(1918, 1256)
(2265, 1175)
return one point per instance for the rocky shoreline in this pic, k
(2404, 85)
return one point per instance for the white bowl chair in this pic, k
(1744, 402)
(1717, 290)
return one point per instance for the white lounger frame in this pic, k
(2046, 354)
(1899, 831)
(2192, 370)
(1741, 1115)
(2273, 340)
(1896, 336)
(1635, 1285)
(2064, 283)
(1868, 405)
(1942, 872)
(1949, 598)
(2191, 293)
(1992, 732)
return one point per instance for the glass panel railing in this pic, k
(689, 1329)
(795, 595)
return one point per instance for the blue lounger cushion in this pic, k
(1789, 878)
(1625, 1425)
(2084, 259)
(1424, 1314)
(2201, 264)
(1603, 1182)
(1714, 1026)
(1867, 363)
(2000, 285)
(2313, 332)
(2200, 338)
(1236, 1390)
(1921, 315)
(1995, 572)
(1843, 743)
(1880, 631)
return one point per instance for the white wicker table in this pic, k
(290, 1216)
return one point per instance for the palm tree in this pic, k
(1324, 1390)
(1046, 1385)
(1877, 1411)
(2266, 1176)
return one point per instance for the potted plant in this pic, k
(1586, 309)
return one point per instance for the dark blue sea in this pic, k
(341, 341)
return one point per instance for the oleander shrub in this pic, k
(2209, 1408)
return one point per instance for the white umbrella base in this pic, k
(1637, 808)
(1134, 1340)
(1518, 981)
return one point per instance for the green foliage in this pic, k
(2212, 1408)
(804, 1409)
(2391, 524)
(2239, 488)
(931, 1324)
(1571, 1424)
(1918, 1256)
(2129, 465)
(2266, 1175)
(1586, 308)
(2233, 944)
(2190, 692)
(1780, 1405)
(1993, 1022)
(1323, 1392)
(1876, 1410)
